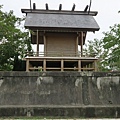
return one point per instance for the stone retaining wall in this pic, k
(66, 89)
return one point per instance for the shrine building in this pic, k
(61, 32)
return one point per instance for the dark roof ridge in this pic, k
(42, 11)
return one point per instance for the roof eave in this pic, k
(62, 29)
(40, 11)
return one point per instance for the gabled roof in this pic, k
(60, 20)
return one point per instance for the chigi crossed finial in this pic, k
(87, 8)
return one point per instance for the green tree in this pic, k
(94, 48)
(111, 42)
(14, 41)
(107, 50)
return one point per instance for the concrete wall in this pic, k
(60, 89)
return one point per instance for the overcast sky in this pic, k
(107, 10)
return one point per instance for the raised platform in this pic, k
(61, 63)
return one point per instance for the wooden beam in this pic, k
(86, 8)
(27, 65)
(37, 43)
(44, 65)
(79, 65)
(81, 43)
(45, 49)
(62, 65)
(95, 65)
(46, 5)
(76, 51)
(34, 6)
(73, 8)
(60, 7)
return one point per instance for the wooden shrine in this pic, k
(61, 32)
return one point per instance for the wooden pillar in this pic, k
(45, 51)
(76, 51)
(79, 65)
(81, 44)
(27, 65)
(62, 65)
(37, 43)
(95, 65)
(44, 65)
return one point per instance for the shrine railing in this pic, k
(60, 54)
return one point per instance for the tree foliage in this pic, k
(107, 50)
(111, 42)
(14, 41)
(94, 48)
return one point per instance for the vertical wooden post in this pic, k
(79, 65)
(37, 43)
(44, 65)
(45, 51)
(27, 65)
(81, 44)
(95, 65)
(62, 65)
(76, 51)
